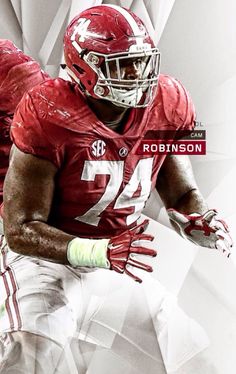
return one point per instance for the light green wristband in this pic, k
(88, 252)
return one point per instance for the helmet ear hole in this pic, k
(78, 68)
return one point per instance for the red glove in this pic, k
(206, 230)
(123, 248)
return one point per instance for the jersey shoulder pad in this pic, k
(177, 103)
(31, 129)
(54, 91)
(43, 119)
(60, 100)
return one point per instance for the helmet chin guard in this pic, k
(126, 98)
(104, 42)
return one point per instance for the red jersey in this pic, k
(101, 185)
(18, 73)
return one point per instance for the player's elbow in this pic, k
(12, 237)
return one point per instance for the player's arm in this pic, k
(187, 209)
(177, 187)
(28, 196)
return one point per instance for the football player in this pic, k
(18, 74)
(76, 185)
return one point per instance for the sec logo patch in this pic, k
(98, 148)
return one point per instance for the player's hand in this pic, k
(124, 248)
(206, 230)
